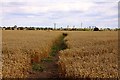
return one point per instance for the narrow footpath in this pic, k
(50, 65)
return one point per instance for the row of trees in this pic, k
(65, 29)
(26, 28)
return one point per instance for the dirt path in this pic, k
(51, 67)
(50, 71)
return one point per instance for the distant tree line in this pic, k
(61, 29)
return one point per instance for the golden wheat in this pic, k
(19, 46)
(90, 54)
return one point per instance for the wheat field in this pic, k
(90, 54)
(19, 47)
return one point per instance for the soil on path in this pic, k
(50, 69)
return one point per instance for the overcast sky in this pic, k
(102, 13)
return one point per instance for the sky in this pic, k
(44, 13)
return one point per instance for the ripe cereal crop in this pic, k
(81, 54)
(90, 55)
(22, 48)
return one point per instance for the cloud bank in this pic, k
(64, 12)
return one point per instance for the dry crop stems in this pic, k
(22, 47)
(90, 54)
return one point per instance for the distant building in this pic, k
(25, 28)
(89, 27)
(15, 28)
(3, 28)
(61, 28)
(68, 26)
(35, 28)
(55, 26)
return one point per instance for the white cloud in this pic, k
(48, 7)
(41, 12)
